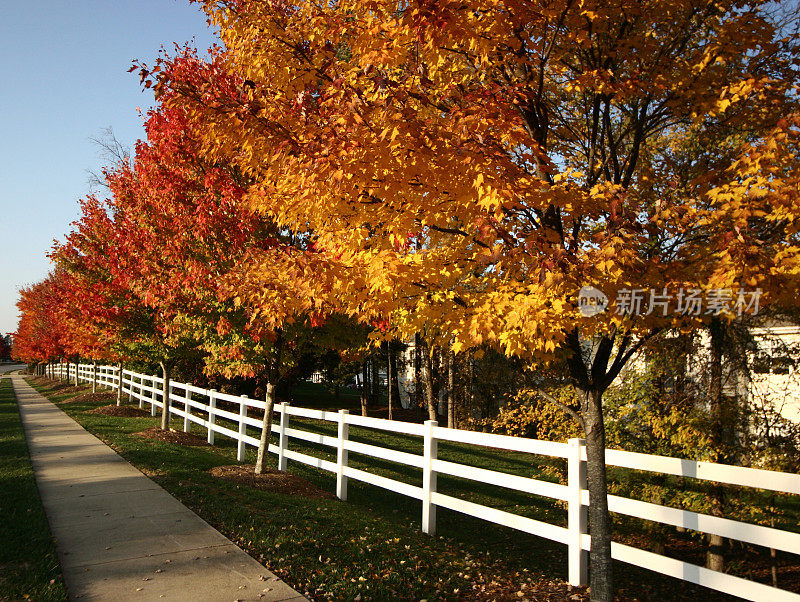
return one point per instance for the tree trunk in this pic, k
(417, 369)
(94, 376)
(469, 386)
(266, 428)
(389, 392)
(439, 371)
(165, 370)
(395, 382)
(364, 388)
(601, 578)
(374, 378)
(773, 553)
(77, 366)
(451, 391)
(715, 559)
(429, 392)
(119, 383)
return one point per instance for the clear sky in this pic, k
(63, 80)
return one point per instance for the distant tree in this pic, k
(5, 347)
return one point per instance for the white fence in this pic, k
(199, 406)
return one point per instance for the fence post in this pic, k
(153, 395)
(141, 391)
(341, 456)
(212, 405)
(187, 424)
(242, 428)
(282, 440)
(430, 448)
(577, 513)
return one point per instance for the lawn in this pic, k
(371, 546)
(29, 568)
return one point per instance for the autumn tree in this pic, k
(472, 166)
(39, 335)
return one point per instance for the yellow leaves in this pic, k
(419, 126)
(390, 132)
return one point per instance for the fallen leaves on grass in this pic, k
(123, 411)
(272, 480)
(171, 436)
(90, 398)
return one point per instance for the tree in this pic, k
(472, 167)
(5, 347)
(46, 329)
(33, 340)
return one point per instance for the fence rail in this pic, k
(199, 406)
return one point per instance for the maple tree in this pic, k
(38, 335)
(175, 236)
(474, 165)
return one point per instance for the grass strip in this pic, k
(29, 568)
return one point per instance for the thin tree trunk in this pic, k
(77, 366)
(395, 382)
(470, 384)
(374, 377)
(94, 376)
(715, 558)
(429, 393)
(364, 388)
(439, 363)
(273, 373)
(119, 383)
(773, 553)
(451, 390)
(417, 369)
(266, 427)
(165, 370)
(601, 578)
(389, 392)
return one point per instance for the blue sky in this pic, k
(64, 79)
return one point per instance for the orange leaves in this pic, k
(524, 170)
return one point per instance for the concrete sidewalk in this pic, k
(119, 536)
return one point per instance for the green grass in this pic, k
(372, 544)
(29, 568)
(316, 395)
